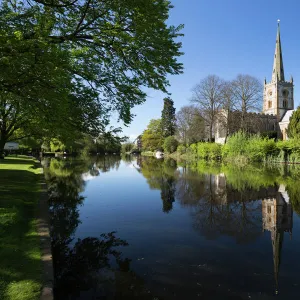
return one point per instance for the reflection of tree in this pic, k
(77, 268)
(167, 193)
(85, 266)
(108, 162)
(161, 175)
(219, 209)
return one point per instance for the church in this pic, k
(278, 102)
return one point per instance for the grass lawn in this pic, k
(20, 257)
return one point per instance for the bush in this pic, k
(170, 144)
(181, 149)
(210, 151)
(127, 147)
(236, 145)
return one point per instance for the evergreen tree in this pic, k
(294, 125)
(168, 119)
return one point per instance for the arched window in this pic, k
(269, 104)
(285, 103)
(285, 93)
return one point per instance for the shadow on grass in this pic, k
(20, 272)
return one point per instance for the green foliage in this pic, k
(168, 120)
(181, 149)
(244, 148)
(170, 144)
(236, 145)
(67, 67)
(56, 145)
(209, 151)
(249, 147)
(293, 130)
(152, 136)
(127, 147)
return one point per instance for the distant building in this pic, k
(278, 104)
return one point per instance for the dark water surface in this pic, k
(152, 229)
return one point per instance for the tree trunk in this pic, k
(210, 131)
(2, 144)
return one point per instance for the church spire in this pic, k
(278, 71)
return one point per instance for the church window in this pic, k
(285, 93)
(270, 104)
(285, 103)
(269, 209)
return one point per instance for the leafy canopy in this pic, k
(294, 125)
(152, 137)
(68, 64)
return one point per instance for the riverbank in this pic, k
(20, 254)
(242, 149)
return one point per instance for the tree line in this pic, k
(66, 66)
(213, 100)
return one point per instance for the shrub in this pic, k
(181, 149)
(170, 144)
(236, 145)
(210, 151)
(127, 147)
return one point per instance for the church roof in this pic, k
(286, 117)
(278, 71)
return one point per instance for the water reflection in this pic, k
(277, 217)
(226, 205)
(232, 202)
(89, 268)
(161, 175)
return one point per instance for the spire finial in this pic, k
(278, 21)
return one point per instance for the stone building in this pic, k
(278, 104)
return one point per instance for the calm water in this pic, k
(152, 229)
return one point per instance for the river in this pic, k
(144, 228)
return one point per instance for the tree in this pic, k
(247, 94)
(152, 136)
(68, 64)
(207, 95)
(293, 130)
(127, 147)
(168, 120)
(170, 144)
(189, 125)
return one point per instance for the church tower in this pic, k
(278, 94)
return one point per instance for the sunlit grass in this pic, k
(20, 269)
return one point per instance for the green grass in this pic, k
(20, 267)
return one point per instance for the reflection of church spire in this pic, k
(277, 217)
(277, 241)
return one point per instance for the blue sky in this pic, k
(226, 38)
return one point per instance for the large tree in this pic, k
(65, 64)
(247, 92)
(207, 95)
(168, 119)
(152, 137)
(189, 125)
